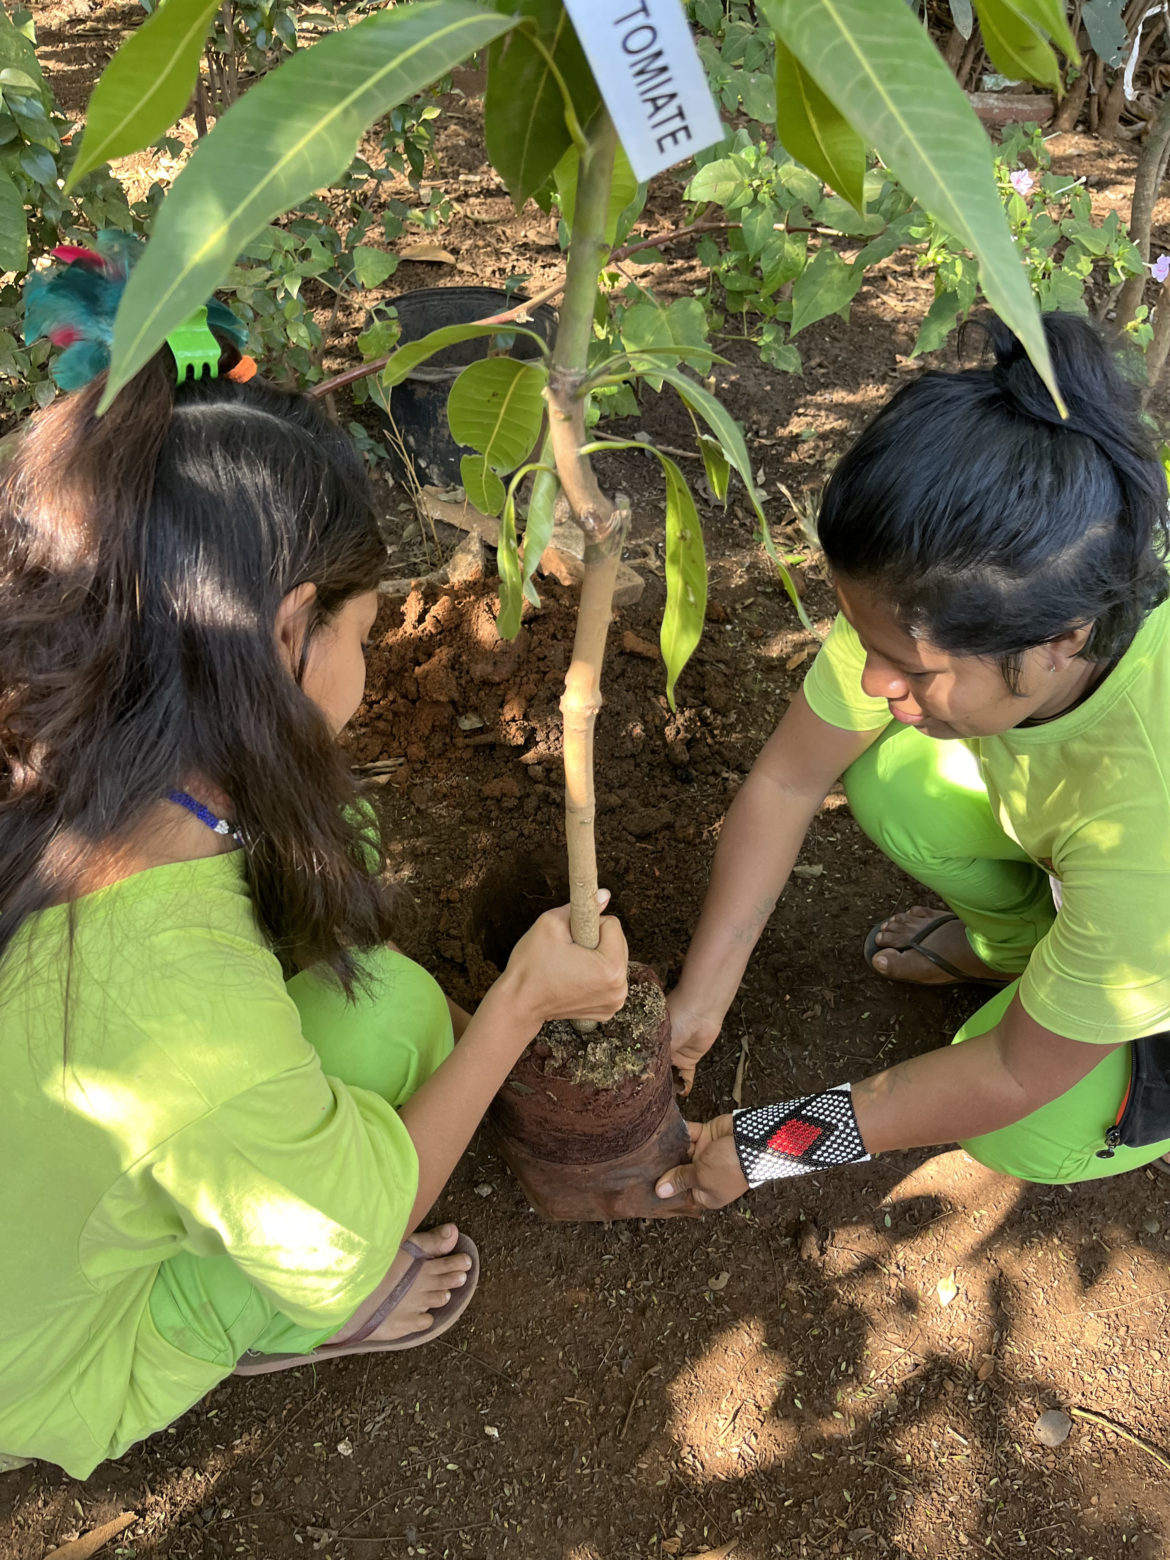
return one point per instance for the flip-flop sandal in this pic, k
(917, 944)
(254, 1363)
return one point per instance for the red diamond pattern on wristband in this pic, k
(815, 1132)
(795, 1138)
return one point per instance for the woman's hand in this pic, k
(714, 1176)
(692, 1034)
(550, 976)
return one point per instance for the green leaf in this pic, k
(292, 133)
(624, 190)
(483, 488)
(13, 227)
(1106, 29)
(146, 86)
(815, 132)
(717, 181)
(372, 266)
(408, 357)
(1016, 45)
(524, 110)
(875, 61)
(686, 577)
(18, 52)
(826, 286)
(938, 324)
(497, 407)
(716, 467)
(538, 527)
(731, 441)
(19, 81)
(508, 569)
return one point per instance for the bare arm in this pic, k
(960, 1091)
(761, 837)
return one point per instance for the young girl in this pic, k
(996, 694)
(226, 1102)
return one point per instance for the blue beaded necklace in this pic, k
(205, 815)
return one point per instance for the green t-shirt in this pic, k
(185, 1113)
(1087, 796)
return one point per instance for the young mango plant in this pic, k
(851, 75)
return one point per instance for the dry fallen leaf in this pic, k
(714, 1554)
(947, 1289)
(985, 1370)
(82, 1548)
(430, 252)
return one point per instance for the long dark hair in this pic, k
(143, 556)
(992, 526)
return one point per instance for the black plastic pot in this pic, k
(418, 406)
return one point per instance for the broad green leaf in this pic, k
(1016, 45)
(938, 324)
(18, 81)
(408, 357)
(717, 181)
(815, 132)
(13, 227)
(1106, 29)
(372, 266)
(497, 407)
(716, 467)
(731, 441)
(686, 577)
(294, 132)
(874, 60)
(524, 110)
(1051, 16)
(18, 52)
(826, 286)
(146, 86)
(483, 488)
(625, 192)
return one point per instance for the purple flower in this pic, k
(1021, 181)
(1160, 269)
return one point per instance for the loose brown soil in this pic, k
(849, 1365)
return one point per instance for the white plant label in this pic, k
(650, 75)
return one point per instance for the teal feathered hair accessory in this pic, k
(74, 304)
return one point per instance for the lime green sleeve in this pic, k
(306, 1183)
(1101, 974)
(832, 685)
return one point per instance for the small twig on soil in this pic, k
(653, 1371)
(401, 1538)
(288, 1424)
(1126, 1435)
(466, 1354)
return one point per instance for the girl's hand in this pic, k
(714, 1177)
(550, 976)
(692, 1035)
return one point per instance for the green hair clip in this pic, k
(194, 347)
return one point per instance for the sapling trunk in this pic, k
(602, 522)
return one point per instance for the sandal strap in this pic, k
(917, 943)
(377, 1317)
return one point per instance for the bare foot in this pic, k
(949, 940)
(437, 1277)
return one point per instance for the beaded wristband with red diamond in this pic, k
(815, 1132)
